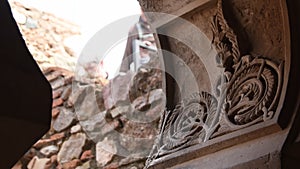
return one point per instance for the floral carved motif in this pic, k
(188, 124)
(247, 93)
(252, 91)
(251, 84)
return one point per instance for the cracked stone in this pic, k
(49, 150)
(63, 120)
(105, 152)
(72, 148)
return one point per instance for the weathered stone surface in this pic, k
(91, 119)
(119, 110)
(131, 159)
(59, 82)
(38, 163)
(191, 73)
(268, 161)
(148, 107)
(64, 119)
(75, 129)
(51, 75)
(138, 137)
(67, 92)
(71, 164)
(147, 78)
(86, 105)
(149, 98)
(86, 165)
(112, 166)
(105, 151)
(265, 31)
(71, 148)
(117, 90)
(100, 100)
(97, 127)
(57, 93)
(76, 91)
(49, 150)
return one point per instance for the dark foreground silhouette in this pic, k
(26, 96)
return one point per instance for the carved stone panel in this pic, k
(239, 63)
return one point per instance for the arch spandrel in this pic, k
(241, 72)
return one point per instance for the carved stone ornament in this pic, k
(248, 93)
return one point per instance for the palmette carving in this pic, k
(251, 84)
(252, 91)
(188, 124)
(248, 93)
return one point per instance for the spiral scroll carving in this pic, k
(252, 91)
(189, 123)
(247, 93)
(251, 84)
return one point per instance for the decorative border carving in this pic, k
(248, 93)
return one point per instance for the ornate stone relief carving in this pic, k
(248, 94)
(251, 83)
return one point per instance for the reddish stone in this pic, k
(57, 93)
(72, 164)
(57, 136)
(53, 75)
(41, 143)
(56, 71)
(86, 155)
(53, 159)
(69, 78)
(57, 102)
(46, 142)
(55, 112)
